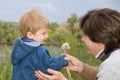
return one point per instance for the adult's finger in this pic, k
(52, 71)
(69, 57)
(39, 75)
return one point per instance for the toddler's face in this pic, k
(41, 35)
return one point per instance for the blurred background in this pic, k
(64, 27)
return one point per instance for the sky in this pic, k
(55, 10)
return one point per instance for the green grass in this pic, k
(80, 53)
(5, 64)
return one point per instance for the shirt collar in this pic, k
(99, 53)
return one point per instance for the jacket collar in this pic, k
(30, 42)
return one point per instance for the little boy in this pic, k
(28, 55)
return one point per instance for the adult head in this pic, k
(102, 27)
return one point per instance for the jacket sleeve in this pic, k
(89, 72)
(46, 61)
(57, 62)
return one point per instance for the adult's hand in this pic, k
(74, 64)
(56, 75)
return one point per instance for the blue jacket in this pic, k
(29, 56)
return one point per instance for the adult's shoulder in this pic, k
(109, 69)
(113, 59)
(115, 56)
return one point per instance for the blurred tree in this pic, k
(8, 32)
(71, 21)
(53, 26)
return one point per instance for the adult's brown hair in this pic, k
(102, 26)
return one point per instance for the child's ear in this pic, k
(29, 34)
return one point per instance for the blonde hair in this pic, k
(32, 21)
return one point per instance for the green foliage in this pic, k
(9, 32)
(53, 26)
(58, 34)
(71, 22)
(5, 63)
